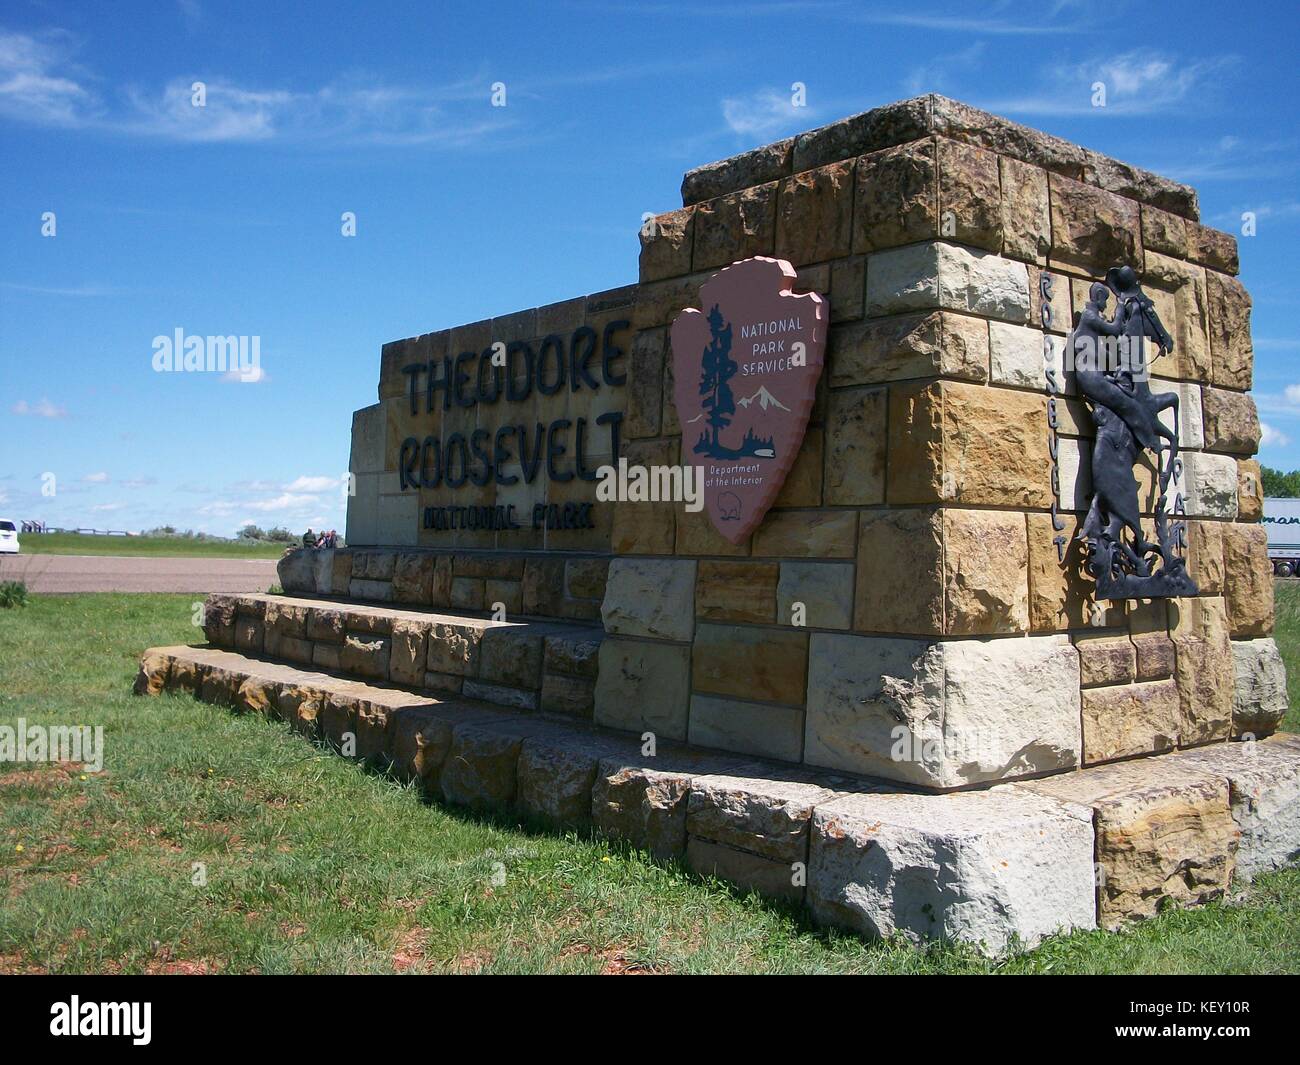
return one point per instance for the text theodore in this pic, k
(511, 372)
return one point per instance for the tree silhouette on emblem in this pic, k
(717, 368)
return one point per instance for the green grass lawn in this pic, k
(312, 865)
(78, 544)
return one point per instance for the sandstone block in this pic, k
(650, 597)
(666, 245)
(572, 653)
(1164, 834)
(1231, 352)
(970, 209)
(949, 276)
(1231, 422)
(152, 676)
(1247, 579)
(453, 649)
(765, 815)
(942, 713)
(1203, 670)
(855, 447)
(1017, 357)
(1264, 795)
(1129, 719)
(805, 534)
(1059, 591)
(219, 612)
(1209, 485)
(751, 663)
(296, 571)
(574, 696)
(813, 214)
(365, 656)
(928, 344)
(1164, 232)
(413, 577)
(996, 869)
(1250, 491)
(1259, 694)
(900, 583)
(769, 878)
(738, 172)
(645, 383)
(374, 591)
(1105, 659)
(481, 767)
(1026, 211)
(643, 685)
(897, 197)
(746, 727)
(585, 578)
(407, 653)
(250, 635)
(511, 655)
(736, 591)
(1091, 228)
(985, 572)
(735, 226)
(820, 592)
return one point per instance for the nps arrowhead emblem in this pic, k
(745, 372)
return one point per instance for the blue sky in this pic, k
(226, 219)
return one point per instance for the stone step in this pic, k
(995, 867)
(533, 665)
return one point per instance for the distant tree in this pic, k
(251, 532)
(1280, 485)
(281, 535)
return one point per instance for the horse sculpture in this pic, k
(1110, 366)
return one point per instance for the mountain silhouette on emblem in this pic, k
(765, 399)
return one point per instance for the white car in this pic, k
(8, 537)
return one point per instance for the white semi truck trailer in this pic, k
(1282, 522)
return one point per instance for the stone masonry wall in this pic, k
(945, 643)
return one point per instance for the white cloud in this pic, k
(1270, 437)
(108, 507)
(254, 375)
(96, 478)
(139, 482)
(31, 87)
(313, 484)
(763, 113)
(42, 409)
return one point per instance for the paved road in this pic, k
(119, 573)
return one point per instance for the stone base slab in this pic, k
(999, 867)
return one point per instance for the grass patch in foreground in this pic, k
(162, 546)
(309, 864)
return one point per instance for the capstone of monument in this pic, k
(891, 546)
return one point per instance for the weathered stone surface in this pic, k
(572, 653)
(326, 655)
(585, 578)
(556, 778)
(467, 593)
(881, 127)
(574, 696)
(666, 245)
(480, 768)
(813, 214)
(967, 444)
(650, 597)
(1259, 695)
(250, 635)
(1212, 247)
(938, 274)
(823, 590)
(1231, 422)
(413, 577)
(806, 534)
(745, 727)
(1203, 669)
(736, 591)
(803, 484)
(985, 572)
(365, 656)
(751, 663)
(1129, 719)
(1247, 579)
(970, 210)
(326, 625)
(373, 565)
(1164, 834)
(900, 584)
(1229, 327)
(511, 655)
(501, 694)
(1164, 232)
(151, 679)
(1250, 491)
(543, 585)
(375, 591)
(996, 869)
(643, 685)
(453, 649)
(735, 226)
(938, 343)
(769, 878)
(1191, 419)
(341, 576)
(848, 288)
(1091, 228)
(300, 706)
(1105, 658)
(407, 653)
(1016, 357)
(219, 620)
(942, 714)
(1209, 485)
(296, 571)
(738, 172)
(1264, 793)
(767, 816)
(645, 384)
(855, 451)
(1059, 591)
(1178, 291)
(897, 197)
(1155, 655)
